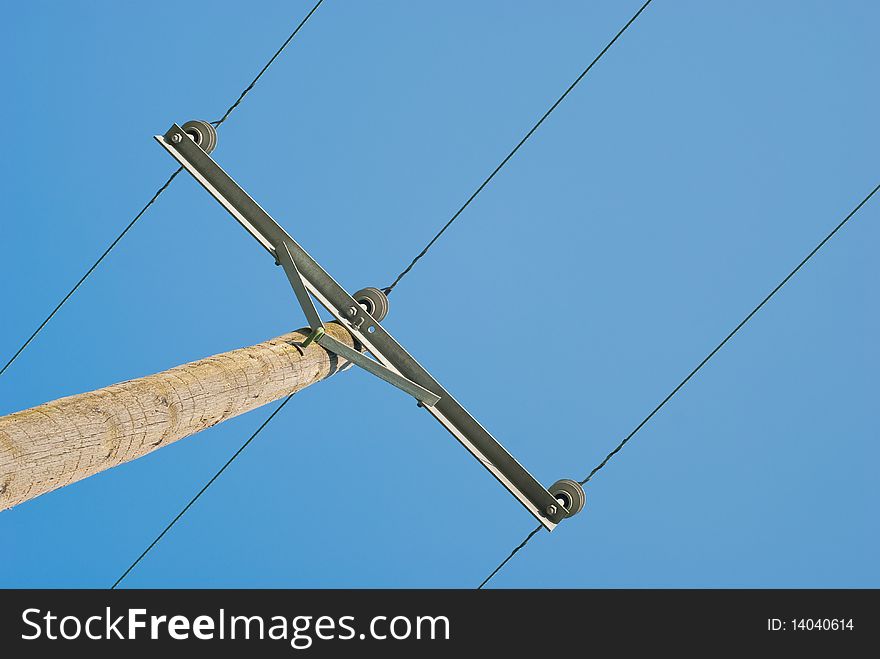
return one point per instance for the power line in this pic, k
(201, 492)
(268, 64)
(729, 336)
(510, 155)
(91, 270)
(155, 196)
(511, 555)
(699, 366)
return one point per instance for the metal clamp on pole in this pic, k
(361, 314)
(316, 334)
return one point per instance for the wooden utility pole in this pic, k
(58, 443)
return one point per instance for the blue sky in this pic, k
(704, 156)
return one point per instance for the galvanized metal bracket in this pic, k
(285, 260)
(393, 363)
(425, 397)
(319, 334)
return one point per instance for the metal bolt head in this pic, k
(176, 138)
(551, 509)
(352, 311)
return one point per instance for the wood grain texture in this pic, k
(58, 443)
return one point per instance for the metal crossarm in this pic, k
(393, 363)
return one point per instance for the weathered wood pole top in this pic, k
(58, 443)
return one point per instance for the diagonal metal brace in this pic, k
(425, 397)
(285, 259)
(319, 334)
